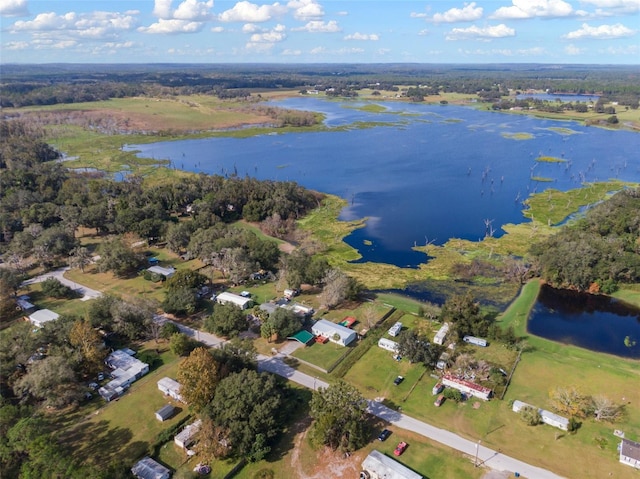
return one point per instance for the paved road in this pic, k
(486, 457)
(87, 293)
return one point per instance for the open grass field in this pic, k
(322, 355)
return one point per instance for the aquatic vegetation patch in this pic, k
(518, 136)
(550, 159)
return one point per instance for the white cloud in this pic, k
(14, 8)
(192, 10)
(486, 33)
(320, 26)
(534, 8)
(418, 15)
(272, 36)
(172, 26)
(92, 25)
(343, 13)
(293, 53)
(217, 29)
(259, 47)
(573, 50)
(602, 32)
(306, 9)
(423, 32)
(349, 51)
(468, 13)
(250, 12)
(615, 6)
(362, 36)
(383, 51)
(250, 28)
(318, 50)
(15, 46)
(625, 51)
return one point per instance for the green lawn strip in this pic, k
(398, 301)
(550, 159)
(322, 355)
(629, 293)
(518, 136)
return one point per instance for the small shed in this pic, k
(147, 468)
(165, 412)
(24, 304)
(333, 332)
(239, 301)
(42, 316)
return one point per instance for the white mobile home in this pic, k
(441, 334)
(548, 417)
(185, 437)
(388, 344)
(126, 370)
(476, 341)
(147, 468)
(333, 332)
(171, 388)
(466, 387)
(166, 272)
(42, 316)
(395, 329)
(380, 466)
(630, 453)
(239, 301)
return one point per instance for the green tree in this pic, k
(79, 257)
(117, 257)
(53, 288)
(283, 322)
(465, 315)
(168, 329)
(180, 344)
(50, 380)
(226, 320)
(198, 376)
(531, 416)
(417, 349)
(180, 301)
(185, 279)
(248, 406)
(235, 355)
(339, 414)
(88, 343)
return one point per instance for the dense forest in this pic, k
(24, 85)
(596, 252)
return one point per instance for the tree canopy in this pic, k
(198, 376)
(339, 413)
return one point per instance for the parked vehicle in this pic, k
(439, 401)
(384, 435)
(400, 448)
(398, 380)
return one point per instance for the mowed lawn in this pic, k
(124, 429)
(322, 355)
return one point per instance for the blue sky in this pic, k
(320, 31)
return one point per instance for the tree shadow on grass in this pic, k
(98, 443)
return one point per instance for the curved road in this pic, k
(87, 293)
(485, 456)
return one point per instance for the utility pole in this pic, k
(475, 462)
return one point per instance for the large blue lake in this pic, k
(429, 174)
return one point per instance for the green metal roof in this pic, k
(303, 336)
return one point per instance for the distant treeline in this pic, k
(25, 85)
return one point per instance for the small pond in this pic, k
(595, 322)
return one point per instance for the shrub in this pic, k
(55, 289)
(531, 416)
